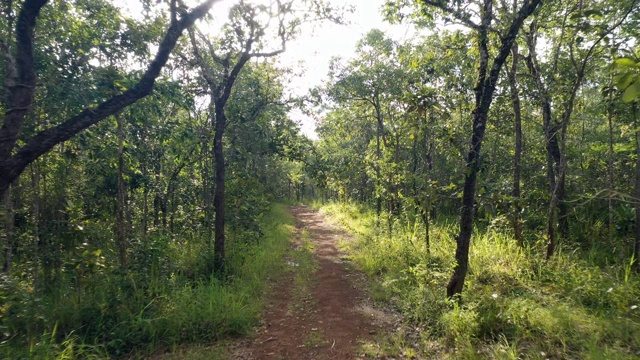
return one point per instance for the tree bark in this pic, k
(20, 86)
(485, 87)
(610, 161)
(517, 158)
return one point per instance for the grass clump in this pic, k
(168, 298)
(515, 305)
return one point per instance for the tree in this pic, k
(21, 84)
(372, 85)
(571, 60)
(246, 37)
(488, 74)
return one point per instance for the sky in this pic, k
(314, 51)
(311, 53)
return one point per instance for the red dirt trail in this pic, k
(328, 321)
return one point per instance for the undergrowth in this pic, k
(515, 305)
(164, 299)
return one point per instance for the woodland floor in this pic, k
(324, 315)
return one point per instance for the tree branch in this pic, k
(12, 166)
(459, 15)
(20, 80)
(206, 71)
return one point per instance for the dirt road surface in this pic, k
(327, 317)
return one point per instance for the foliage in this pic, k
(629, 80)
(515, 302)
(151, 306)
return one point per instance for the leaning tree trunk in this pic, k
(21, 81)
(517, 158)
(480, 113)
(485, 87)
(636, 245)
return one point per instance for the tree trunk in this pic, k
(121, 230)
(480, 113)
(636, 246)
(555, 163)
(517, 158)
(207, 186)
(219, 193)
(377, 168)
(485, 87)
(20, 85)
(610, 158)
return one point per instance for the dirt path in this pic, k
(323, 317)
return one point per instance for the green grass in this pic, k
(169, 303)
(515, 305)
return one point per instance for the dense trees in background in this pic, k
(520, 116)
(405, 123)
(114, 194)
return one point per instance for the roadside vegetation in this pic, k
(170, 298)
(515, 305)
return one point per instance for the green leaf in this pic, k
(632, 92)
(119, 85)
(624, 62)
(624, 80)
(593, 12)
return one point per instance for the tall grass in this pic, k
(168, 301)
(515, 305)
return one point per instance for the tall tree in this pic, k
(488, 73)
(571, 60)
(21, 82)
(246, 37)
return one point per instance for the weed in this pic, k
(313, 339)
(153, 305)
(514, 305)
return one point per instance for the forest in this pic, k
(486, 171)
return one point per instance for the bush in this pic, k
(514, 305)
(166, 297)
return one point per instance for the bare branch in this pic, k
(206, 71)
